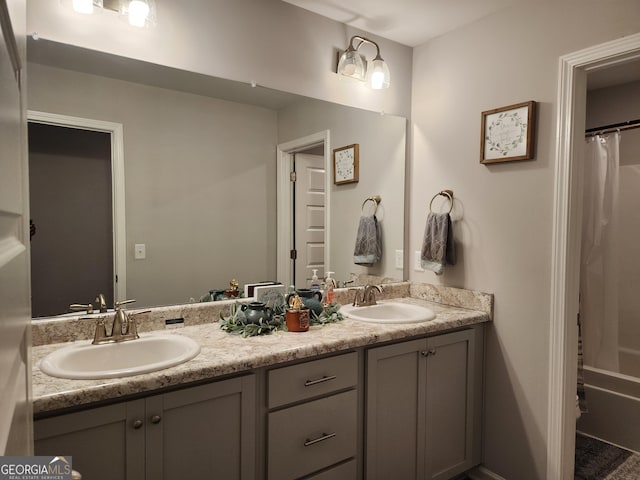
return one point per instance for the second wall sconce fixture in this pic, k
(139, 13)
(353, 64)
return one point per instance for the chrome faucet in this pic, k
(368, 296)
(78, 307)
(88, 308)
(102, 303)
(123, 327)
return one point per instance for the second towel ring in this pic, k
(375, 199)
(444, 193)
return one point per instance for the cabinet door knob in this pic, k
(137, 424)
(429, 353)
(156, 419)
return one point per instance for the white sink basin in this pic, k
(133, 357)
(389, 312)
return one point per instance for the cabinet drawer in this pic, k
(344, 471)
(310, 379)
(312, 436)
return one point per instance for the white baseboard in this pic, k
(483, 473)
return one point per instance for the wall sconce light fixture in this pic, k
(353, 64)
(139, 13)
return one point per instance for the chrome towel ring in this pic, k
(444, 193)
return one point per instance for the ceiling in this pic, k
(614, 75)
(409, 22)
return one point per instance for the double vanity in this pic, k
(353, 399)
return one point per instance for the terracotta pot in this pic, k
(297, 321)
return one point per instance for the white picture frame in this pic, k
(272, 295)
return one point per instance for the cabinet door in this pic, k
(424, 407)
(395, 411)
(205, 432)
(105, 443)
(454, 397)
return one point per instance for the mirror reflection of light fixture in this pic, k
(353, 64)
(86, 6)
(139, 13)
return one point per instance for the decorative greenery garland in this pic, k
(235, 322)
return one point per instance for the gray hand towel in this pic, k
(368, 248)
(438, 248)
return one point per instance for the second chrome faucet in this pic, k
(368, 296)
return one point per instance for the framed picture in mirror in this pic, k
(346, 164)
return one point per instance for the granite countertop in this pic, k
(224, 354)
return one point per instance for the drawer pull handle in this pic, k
(325, 436)
(309, 383)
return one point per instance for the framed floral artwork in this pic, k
(508, 133)
(346, 164)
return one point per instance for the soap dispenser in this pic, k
(315, 283)
(330, 285)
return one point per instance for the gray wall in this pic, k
(504, 210)
(382, 141)
(199, 179)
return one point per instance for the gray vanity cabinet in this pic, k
(424, 403)
(203, 432)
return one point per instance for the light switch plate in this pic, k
(399, 259)
(417, 263)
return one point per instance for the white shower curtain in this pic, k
(599, 264)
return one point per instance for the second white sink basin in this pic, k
(389, 312)
(146, 354)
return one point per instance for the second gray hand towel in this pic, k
(368, 248)
(438, 248)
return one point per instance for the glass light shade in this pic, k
(351, 65)
(139, 13)
(85, 6)
(378, 74)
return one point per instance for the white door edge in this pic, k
(117, 173)
(284, 227)
(565, 256)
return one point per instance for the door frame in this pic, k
(565, 256)
(115, 130)
(284, 157)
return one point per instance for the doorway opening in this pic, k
(303, 188)
(567, 215)
(308, 215)
(77, 208)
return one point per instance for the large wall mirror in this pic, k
(199, 186)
